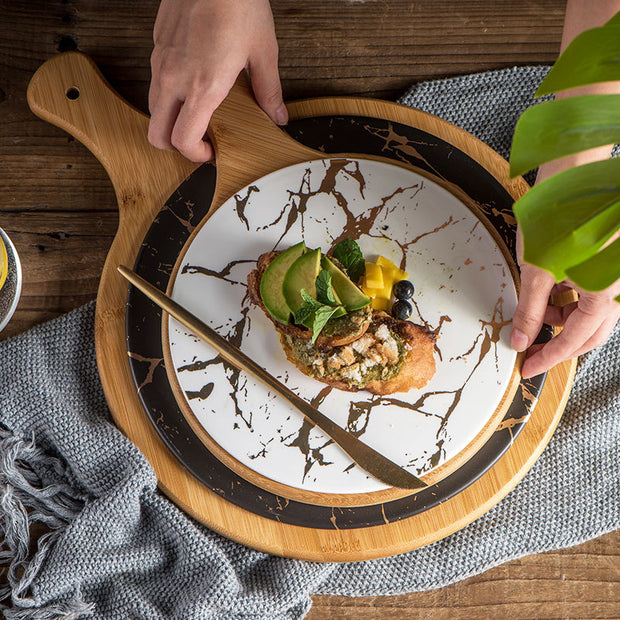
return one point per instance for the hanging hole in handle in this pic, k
(72, 93)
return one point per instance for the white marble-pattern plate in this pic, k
(464, 292)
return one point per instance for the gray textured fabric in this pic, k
(486, 105)
(118, 549)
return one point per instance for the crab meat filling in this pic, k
(377, 355)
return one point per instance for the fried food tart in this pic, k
(364, 349)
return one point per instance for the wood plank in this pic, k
(582, 582)
(62, 254)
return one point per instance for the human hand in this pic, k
(201, 46)
(587, 323)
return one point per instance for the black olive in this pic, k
(401, 309)
(403, 289)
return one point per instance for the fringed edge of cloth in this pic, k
(26, 499)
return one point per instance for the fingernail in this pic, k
(528, 373)
(281, 115)
(518, 340)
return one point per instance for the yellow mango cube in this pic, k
(369, 291)
(388, 266)
(374, 276)
(399, 275)
(386, 291)
(379, 280)
(380, 303)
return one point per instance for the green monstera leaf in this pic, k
(568, 219)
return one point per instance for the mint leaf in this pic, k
(305, 315)
(313, 314)
(324, 292)
(321, 316)
(309, 300)
(348, 253)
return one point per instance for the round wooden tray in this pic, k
(166, 403)
(143, 178)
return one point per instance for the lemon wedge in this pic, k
(4, 263)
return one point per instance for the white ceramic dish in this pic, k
(465, 291)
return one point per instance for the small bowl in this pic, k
(12, 287)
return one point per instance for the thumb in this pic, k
(266, 85)
(536, 285)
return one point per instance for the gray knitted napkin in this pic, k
(118, 549)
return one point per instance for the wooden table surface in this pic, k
(58, 206)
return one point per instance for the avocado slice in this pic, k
(301, 274)
(271, 282)
(348, 293)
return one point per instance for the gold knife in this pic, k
(368, 459)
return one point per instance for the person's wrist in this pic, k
(599, 153)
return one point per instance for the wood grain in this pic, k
(373, 49)
(582, 582)
(59, 206)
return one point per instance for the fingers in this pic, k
(179, 123)
(154, 91)
(163, 117)
(578, 329)
(182, 125)
(266, 85)
(587, 325)
(190, 128)
(536, 285)
(600, 337)
(557, 315)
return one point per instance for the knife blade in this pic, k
(366, 457)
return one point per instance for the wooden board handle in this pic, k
(69, 91)
(248, 144)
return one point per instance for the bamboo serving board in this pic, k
(69, 92)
